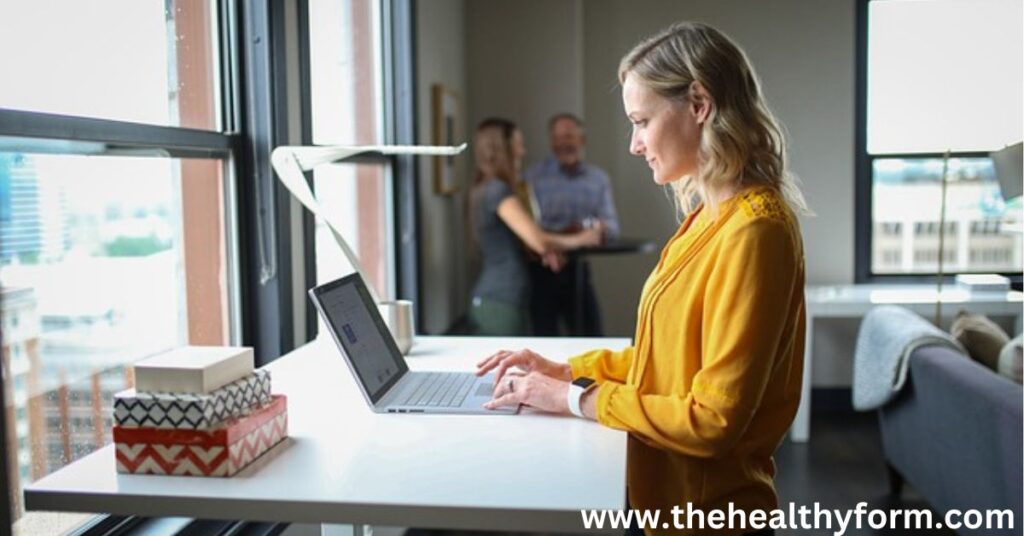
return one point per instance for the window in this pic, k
(116, 222)
(100, 261)
(921, 63)
(71, 58)
(125, 227)
(347, 108)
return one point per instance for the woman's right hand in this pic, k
(526, 360)
(590, 237)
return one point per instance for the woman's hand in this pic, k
(525, 360)
(534, 389)
(591, 236)
(554, 261)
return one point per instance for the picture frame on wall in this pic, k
(446, 121)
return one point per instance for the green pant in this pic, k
(490, 317)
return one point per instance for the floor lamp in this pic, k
(942, 239)
(290, 163)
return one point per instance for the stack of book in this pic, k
(198, 411)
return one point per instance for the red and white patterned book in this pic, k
(220, 452)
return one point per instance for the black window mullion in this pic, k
(38, 132)
(264, 205)
(862, 164)
(952, 154)
(308, 221)
(400, 106)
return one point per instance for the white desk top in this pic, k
(345, 464)
(843, 300)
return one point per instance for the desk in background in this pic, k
(345, 464)
(622, 246)
(854, 301)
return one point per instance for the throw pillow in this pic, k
(982, 338)
(1011, 359)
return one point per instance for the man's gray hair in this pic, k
(565, 115)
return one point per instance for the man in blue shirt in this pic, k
(569, 194)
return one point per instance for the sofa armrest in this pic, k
(955, 433)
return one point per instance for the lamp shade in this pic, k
(1009, 162)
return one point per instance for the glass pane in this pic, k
(145, 61)
(103, 261)
(944, 74)
(345, 70)
(357, 196)
(981, 231)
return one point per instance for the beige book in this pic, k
(193, 369)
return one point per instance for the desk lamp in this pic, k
(291, 161)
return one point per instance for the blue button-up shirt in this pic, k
(566, 198)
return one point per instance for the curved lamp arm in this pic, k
(290, 161)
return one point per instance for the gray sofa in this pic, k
(955, 434)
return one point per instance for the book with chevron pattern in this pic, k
(223, 451)
(133, 409)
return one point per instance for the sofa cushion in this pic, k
(982, 338)
(1011, 359)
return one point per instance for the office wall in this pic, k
(524, 61)
(444, 266)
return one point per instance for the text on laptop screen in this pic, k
(363, 335)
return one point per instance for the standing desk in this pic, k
(345, 464)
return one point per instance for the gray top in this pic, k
(503, 275)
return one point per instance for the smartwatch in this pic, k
(577, 388)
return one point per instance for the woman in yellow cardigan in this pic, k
(712, 382)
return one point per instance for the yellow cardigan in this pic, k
(712, 382)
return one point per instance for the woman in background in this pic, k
(500, 221)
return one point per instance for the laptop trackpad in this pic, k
(484, 389)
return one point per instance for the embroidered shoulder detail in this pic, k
(767, 203)
(763, 203)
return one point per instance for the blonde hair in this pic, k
(741, 142)
(494, 159)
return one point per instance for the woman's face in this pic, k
(666, 133)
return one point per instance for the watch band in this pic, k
(576, 392)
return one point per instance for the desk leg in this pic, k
(578, 330)
(801, 430)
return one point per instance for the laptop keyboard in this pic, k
(441, 390)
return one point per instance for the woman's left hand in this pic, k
(534, 389)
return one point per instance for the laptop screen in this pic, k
(356, 324)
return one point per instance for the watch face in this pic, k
(583, 382)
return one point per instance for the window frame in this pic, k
(864, 181)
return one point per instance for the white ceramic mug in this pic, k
(398, 317)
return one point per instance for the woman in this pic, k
(712, 382)
(500, 221)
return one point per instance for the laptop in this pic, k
(380, 369)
